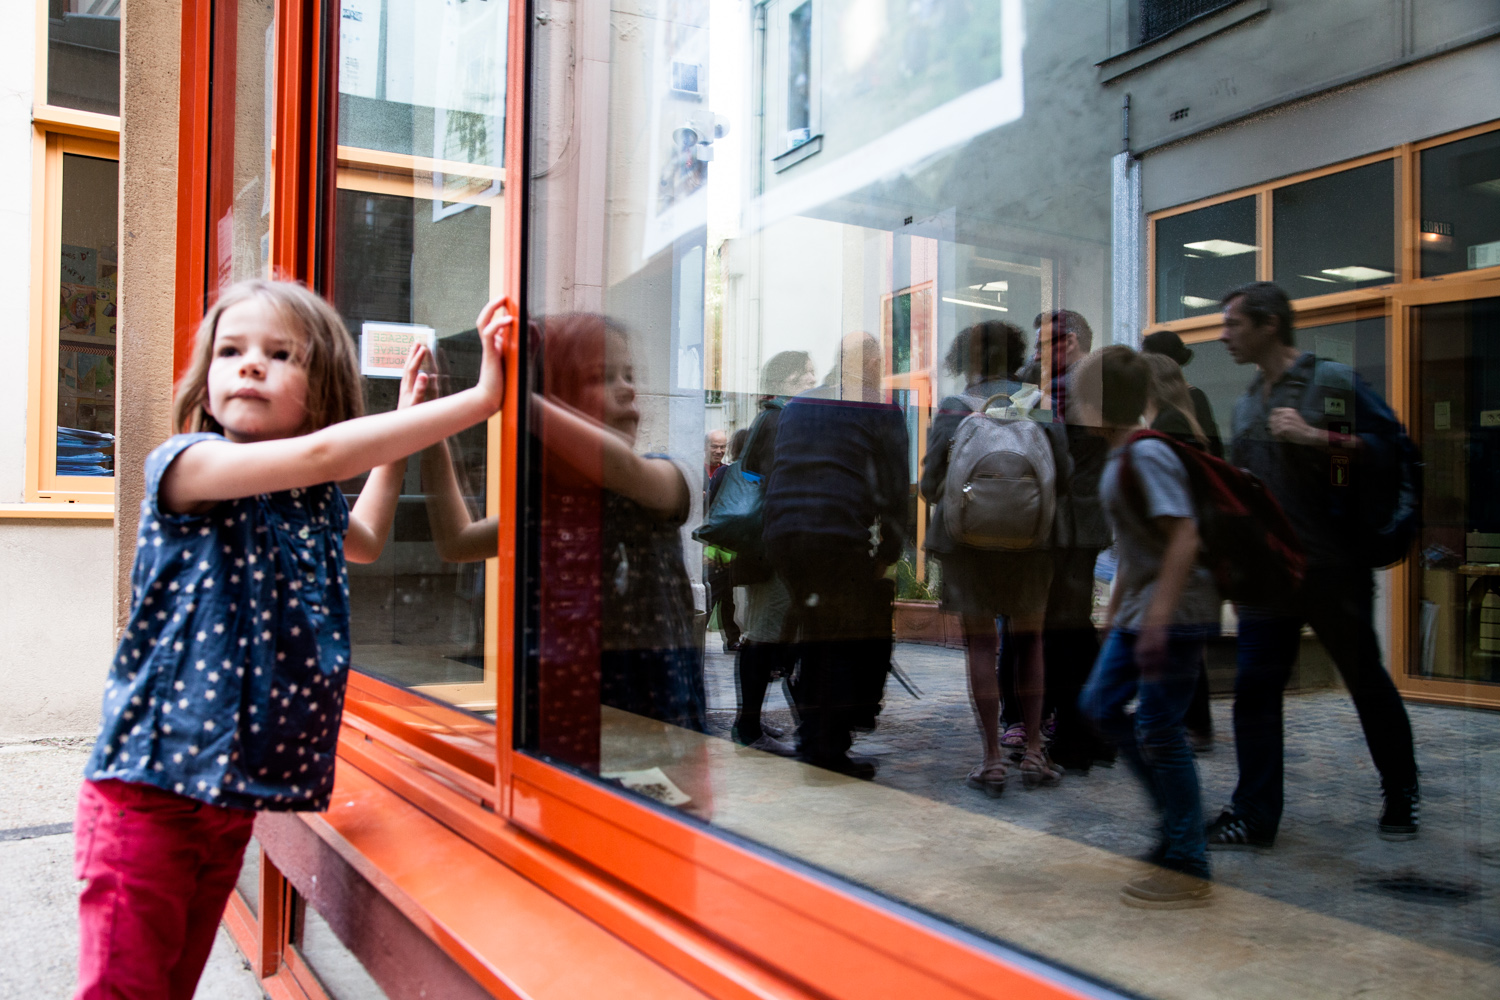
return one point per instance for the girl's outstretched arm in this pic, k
(222, 470)
(457, 536)
(370, 520)
(607, 458)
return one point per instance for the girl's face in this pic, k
(610, 389)
(257, 389)
(803, 382)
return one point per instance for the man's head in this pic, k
(1069, 330)
(1257, 322)
(1108, 389)
(715, 443)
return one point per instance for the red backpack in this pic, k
(1248, 544)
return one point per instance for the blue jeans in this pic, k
(1155, 742)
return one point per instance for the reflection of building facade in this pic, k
(728, 181)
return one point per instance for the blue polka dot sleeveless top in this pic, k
(228, 684)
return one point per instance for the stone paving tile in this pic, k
(1442, 889)
(39, 936)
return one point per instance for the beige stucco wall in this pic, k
(150, 43)
(64, 583)
(56, 577)
(56, 590)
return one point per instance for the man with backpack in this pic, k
(1324, 445)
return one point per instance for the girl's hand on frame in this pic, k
(496, 323)
(414, 381)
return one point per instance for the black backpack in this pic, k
(1384, 485)
(1248, 544)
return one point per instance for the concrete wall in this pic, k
(56, 577)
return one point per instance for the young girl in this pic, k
(226, 691)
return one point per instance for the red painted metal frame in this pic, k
(192, 174)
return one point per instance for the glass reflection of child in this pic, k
(225, 695)
(616, 600)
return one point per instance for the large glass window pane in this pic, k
(1202, 254)
(418, 611)
(1460, 218)
(1458, 607)
(424, 78)
(418, 249)
(86, 328)
(1335, 233)
(83, 55)
(841, 682)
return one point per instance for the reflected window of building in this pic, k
(799, 80)
(1157, 18)
(1457, 612)
(88, 262)
(1202, 254)
(1360, 344)
(424, 79)
(1460, 216)
(1335, 233)
(83, 55)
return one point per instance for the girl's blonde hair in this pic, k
(325, 351)
(1168, 390)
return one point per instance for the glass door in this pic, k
(1457, 593)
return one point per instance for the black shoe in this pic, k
(863, 768)
(1230, 833)
(1400, 818)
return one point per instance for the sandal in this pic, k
(1037, 770)
(989, 778)
(1013, 740)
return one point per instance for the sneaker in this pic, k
(1165, 889)
(1230, 833)
(770, 744)
(771, 730)
(1400, 818)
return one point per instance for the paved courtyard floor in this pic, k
(38, 894)
(1439, 891)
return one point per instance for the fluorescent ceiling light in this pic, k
(1197, 302)
(1314, 277)
(1221, 248)
(976, 305)
(1356, 273)
(991, 286)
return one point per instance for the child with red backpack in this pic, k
(1164, 607)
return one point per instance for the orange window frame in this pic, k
(728, 919)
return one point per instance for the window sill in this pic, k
(1192, 33)
(797, 154)
(59, 511)
(88, 124)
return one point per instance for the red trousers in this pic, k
(158, 869)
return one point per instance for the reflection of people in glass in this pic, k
(980, 584)
(1170, 409)
(616, 608)
(717, 570)
(1162, 609)
(1064, 338)
(1286, 432)
(763, 655)
(834, 510)
(1165, 343)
